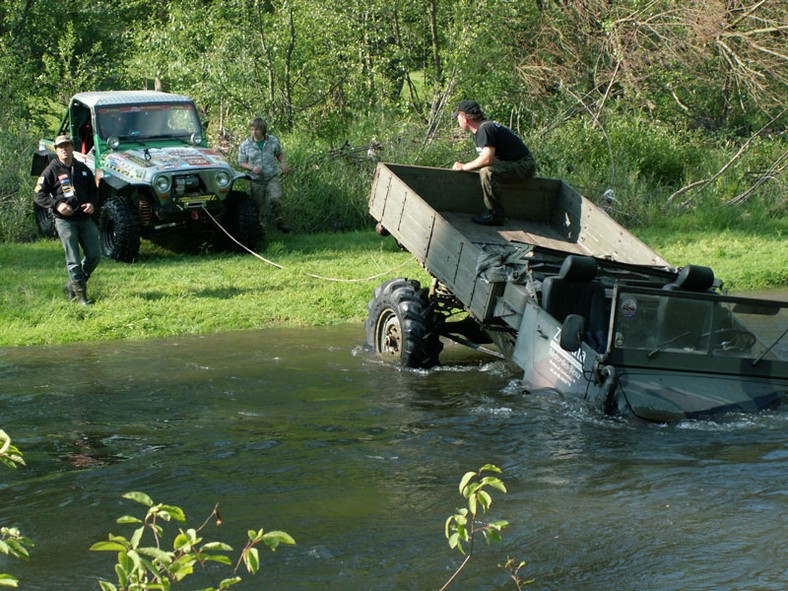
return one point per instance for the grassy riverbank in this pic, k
(169, 294)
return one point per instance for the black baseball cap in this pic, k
(470, 108)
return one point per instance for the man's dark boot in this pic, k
(68, 291)
(279, 222)
(79, 289)
(488, 218)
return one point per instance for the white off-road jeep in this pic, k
(156, 174)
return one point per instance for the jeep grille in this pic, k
(187, 184)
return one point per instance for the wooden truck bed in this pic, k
(428, 211)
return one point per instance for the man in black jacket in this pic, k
(68, 188)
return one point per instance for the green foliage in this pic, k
(10, 455)
(513, 568)
(645, 99)
(462, 527)
(327, 188)
(145, 561)
(16, 186)
(12, 542)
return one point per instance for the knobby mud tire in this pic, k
(45, 222)
(401, 324)
(119, 229)
(241, 220)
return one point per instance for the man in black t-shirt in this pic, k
(503, 158)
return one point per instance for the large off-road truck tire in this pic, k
(402, 325)
(242, 222)
(119, 229)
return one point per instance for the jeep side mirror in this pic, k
(572, 332)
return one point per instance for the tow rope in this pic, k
(278, 266)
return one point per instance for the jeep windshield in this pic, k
(148, 121)
(699, 332)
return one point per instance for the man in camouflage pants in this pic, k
(262, 155)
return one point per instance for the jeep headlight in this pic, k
(162, 183)
(222, 179)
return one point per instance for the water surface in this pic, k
(302, 430)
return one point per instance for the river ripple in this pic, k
(303, 430)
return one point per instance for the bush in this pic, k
(16, 186)
(643, 163)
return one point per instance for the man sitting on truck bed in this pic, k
(503, 158)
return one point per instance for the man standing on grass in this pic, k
(263, 156)
(502, 158)
(68, 189)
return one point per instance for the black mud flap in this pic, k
(40, 161)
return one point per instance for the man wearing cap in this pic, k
(68, 188)
(502, 158)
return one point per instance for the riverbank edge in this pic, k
(324, 279)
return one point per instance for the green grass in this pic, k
(169, 294)
(743, 259)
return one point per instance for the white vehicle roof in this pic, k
(127, 97)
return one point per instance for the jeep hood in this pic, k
(143, 163)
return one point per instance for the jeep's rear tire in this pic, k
(242, 222)
(45, 221)
(401, 324)
(119, 228)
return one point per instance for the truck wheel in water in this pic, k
(119, 229)
(402, 324)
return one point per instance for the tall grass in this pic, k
(638, 162)
(645, 163)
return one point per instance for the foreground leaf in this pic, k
(139, 497)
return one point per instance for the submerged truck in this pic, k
(582, 306)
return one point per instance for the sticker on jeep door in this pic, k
(565, 366)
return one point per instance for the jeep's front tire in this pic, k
(242, 222)
(119, 229)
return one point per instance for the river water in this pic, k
(304, 431)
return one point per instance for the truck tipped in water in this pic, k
(581, 305)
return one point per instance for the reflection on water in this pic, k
(302, 430)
